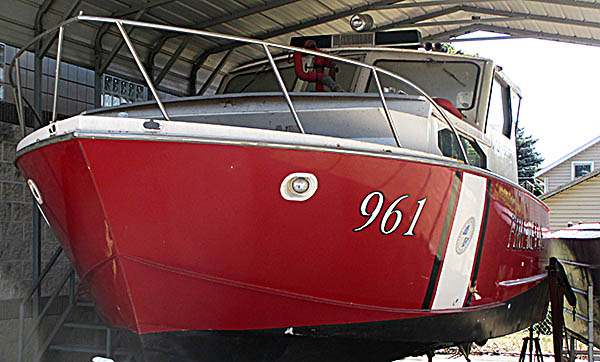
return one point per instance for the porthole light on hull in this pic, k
(299, 186)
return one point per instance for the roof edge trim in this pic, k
(571, 184)
(567, 156)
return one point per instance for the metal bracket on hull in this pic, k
(559, 288)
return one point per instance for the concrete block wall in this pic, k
(15, 217)
(75, 94)
(16, 235)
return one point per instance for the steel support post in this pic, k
(36, 249)
(590, 296)
(571, 348)
(36, 262)
(36, 242)
(98, 80)
(215, 72)
(108, 342)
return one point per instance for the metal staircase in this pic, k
(63, 328)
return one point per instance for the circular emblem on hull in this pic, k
(465, 236)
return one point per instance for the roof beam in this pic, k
(243, 13)
(508, 16)
(104, 65)
(142, 6)
(66, 15)
(172, 60)
(138, 10)
(539, 35)
(42, 10)
(447, 35)
(425, 4)
(417, 19)
(203, 25)
(575, 3)
(460, 22)
(213, 75)
(526, 16)
(286, 30)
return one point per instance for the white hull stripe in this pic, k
(462, 244)
(484, 224)
(441, 248)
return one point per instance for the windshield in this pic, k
(261, 79)
(453, 80)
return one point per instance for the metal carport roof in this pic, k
(181, 64)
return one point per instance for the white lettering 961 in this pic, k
(392, 210)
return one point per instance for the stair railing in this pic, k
(26, 336)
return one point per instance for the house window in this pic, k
(579, 169)
(117, 91)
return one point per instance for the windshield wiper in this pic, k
(255, 75)
(454, 76)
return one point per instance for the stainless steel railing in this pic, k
(265, 46)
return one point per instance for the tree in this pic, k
(528, 162)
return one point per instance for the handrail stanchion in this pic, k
(283, 89)
(56, 73)
(388, 114)
(142, 69)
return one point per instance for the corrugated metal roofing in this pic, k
(576, 21)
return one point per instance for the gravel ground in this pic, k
(503, 349)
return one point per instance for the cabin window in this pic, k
(475, 154)
(450, 148)
(579, 169)
(454, 81)
(261, 79)
(500, 117)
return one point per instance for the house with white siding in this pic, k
(572, 186)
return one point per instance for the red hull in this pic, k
(196, 236)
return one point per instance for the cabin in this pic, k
(572, 186)
(480, 104)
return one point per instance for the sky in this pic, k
(560, 85)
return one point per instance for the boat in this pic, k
(278, 220)
(577, 248)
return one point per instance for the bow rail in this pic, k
(16, 81)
